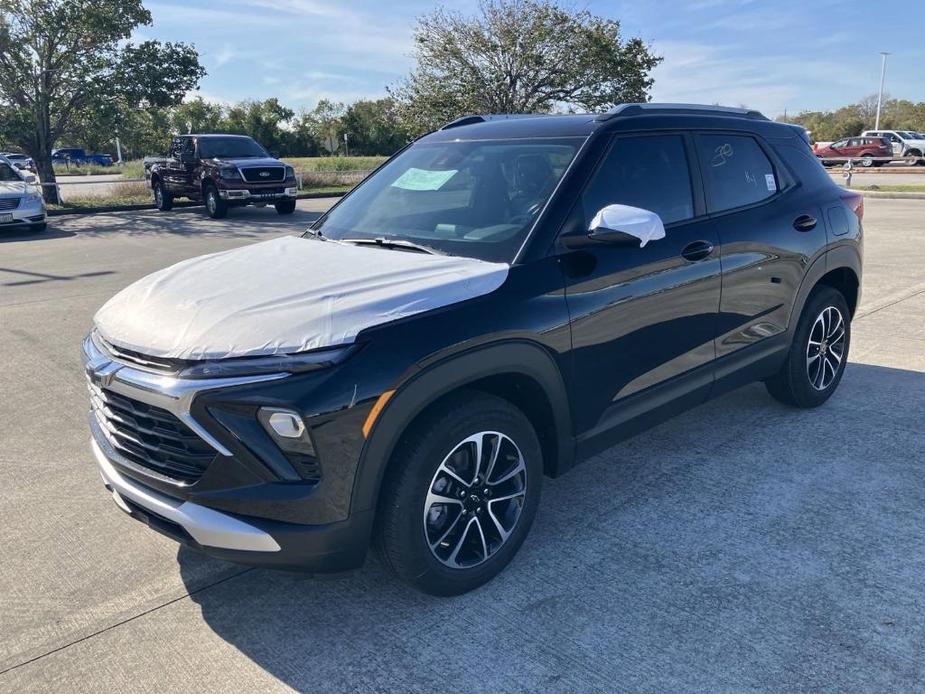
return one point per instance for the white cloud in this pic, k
(225, 55)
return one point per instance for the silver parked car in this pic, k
(21, 201)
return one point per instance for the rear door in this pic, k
(642, 317)
(768, 228)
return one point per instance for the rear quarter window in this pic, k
(736, 171)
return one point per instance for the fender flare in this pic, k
(834, 259)
(426, 385)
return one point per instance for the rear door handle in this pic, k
(697, 250)
(804, 222)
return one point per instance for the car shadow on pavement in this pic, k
(21, 234)
(246, 222)
(742, 545)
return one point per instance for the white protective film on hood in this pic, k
(284, 296)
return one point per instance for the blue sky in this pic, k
(785, 54)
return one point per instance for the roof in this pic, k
(500, 126)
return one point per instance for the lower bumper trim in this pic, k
(206, 526)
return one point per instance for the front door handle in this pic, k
(697, 250)
(804, 222)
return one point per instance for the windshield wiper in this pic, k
(400, 244)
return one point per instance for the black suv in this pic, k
(500, 300)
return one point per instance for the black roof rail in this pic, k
(485, 117)
(638, 109)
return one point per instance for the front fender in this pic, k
(426, 385)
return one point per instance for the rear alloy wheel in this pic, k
(461, 495)
(818, 354)
(215, 206)
(162, 199)
(867, 161)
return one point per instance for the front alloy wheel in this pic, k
(460, 493)
(475, 499)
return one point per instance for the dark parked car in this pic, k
(223, 171)
(502, 299)
(868, 151)
(78, 156)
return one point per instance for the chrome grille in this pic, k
(263, 174)
(9, 203)
(150, 436)
(137, 358)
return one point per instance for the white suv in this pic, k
(904, 142)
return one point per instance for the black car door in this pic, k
(643, 318)
(769, 229)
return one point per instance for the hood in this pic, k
(284, 296)
(8, 188)
(247, 161)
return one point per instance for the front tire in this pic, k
(817, 358)
(163, 200)
(215, 206)
(460, 502)
(285, 206)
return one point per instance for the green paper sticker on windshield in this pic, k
(422, 179)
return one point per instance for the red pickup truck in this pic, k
(222, 171)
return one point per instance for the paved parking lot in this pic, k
(743, 545)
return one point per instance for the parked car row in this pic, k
(21, 201)
(874, 148)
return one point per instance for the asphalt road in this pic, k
(740, 546)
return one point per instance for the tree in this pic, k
(64, 63)
(323, 122)
(374, 127)
(520, 56)
(262, 120)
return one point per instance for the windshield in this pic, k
(7, 173)
(906, 134)
(476, 199)
(229, 148)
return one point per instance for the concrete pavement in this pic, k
(742, 545)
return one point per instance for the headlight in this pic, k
(229, 173)
(290, 172)
(283, 363)
(32, 199)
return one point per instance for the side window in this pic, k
(175, 146)
(647, 171)
(736, 171)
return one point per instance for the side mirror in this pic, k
(30, 178)
(623, 223)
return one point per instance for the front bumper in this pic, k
(253, 193)
(30, 214)
(239, 508)
(332, 547)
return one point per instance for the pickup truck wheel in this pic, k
(456, 510)
(819, 353)
(162, 199)
(285, 206)
(215, 206)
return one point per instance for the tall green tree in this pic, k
(262, 120)
(373, 127)
(520, 56)
(65, 62)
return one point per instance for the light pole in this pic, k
(883, 54)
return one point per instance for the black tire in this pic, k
(162, 199)
(867, 161)
(216, 208)
(41, 226)
(403, 522)
(285, 206)
(798, 383)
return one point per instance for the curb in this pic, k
(896, 195)
(150, 206)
